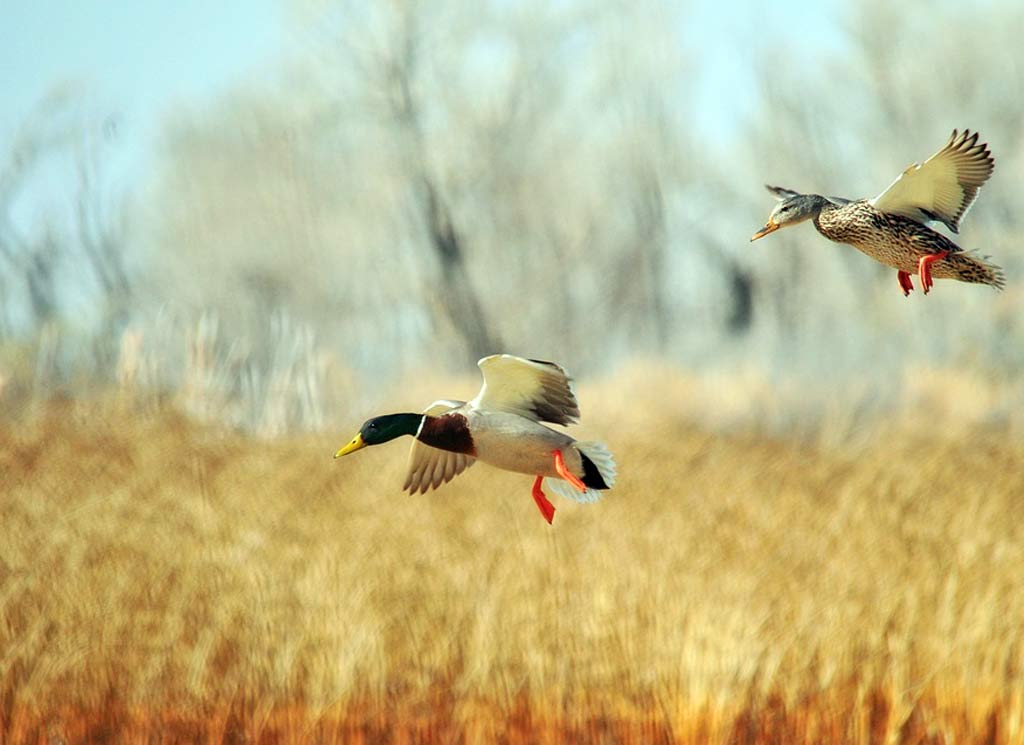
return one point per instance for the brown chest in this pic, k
(448, 432)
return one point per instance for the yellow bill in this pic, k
(770, 227)
(356, 444)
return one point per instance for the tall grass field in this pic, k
(164, 580)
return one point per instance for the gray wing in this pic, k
(430, 467)
(781, 193)
(535, 389)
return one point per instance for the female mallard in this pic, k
(501, 426)
(891, 228)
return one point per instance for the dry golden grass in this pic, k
(161, 581)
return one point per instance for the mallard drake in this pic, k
(501, 426)
(892, 228)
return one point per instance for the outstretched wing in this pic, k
(945, 186)
(537, 390)
(430, 467)
(780, 192)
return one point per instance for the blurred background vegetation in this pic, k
(816, 533)
(417, 185)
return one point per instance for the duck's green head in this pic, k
(792, 208)
(382, 429)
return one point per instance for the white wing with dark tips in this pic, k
(537, 390)
(944, 186)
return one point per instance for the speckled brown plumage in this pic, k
(892, 228)
(900, 242)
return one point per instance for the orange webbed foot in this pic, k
(565, 473)
(924, 269)
(906, 284)
(543, 503)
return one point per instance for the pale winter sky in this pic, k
(134, 62)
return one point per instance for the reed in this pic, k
(167, 581)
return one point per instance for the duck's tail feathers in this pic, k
(598, 474)
(972, 266)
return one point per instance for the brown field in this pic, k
(164, 581)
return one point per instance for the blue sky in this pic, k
(129, 64)
(135, 57)
(137, 61)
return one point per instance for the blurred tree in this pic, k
(456, 293)
(101, 237)
(32, 258)
(100, 227)
(437, 182)
(443, 183)
(97, 219)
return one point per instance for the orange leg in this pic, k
(924, 269)
(543, 504)
(565, 473)
(906, 284)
